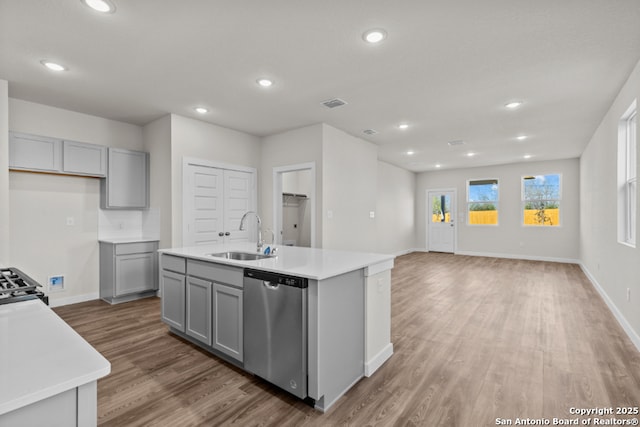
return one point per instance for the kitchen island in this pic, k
(48, 373)
(347, 307)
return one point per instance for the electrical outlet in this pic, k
(71, 221)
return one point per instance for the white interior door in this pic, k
(203, 200)
(214, 200)
(237, 201)
(441, 221)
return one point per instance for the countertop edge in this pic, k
(46, 393)
(373, 259)
(99, 366)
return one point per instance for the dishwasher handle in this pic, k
(270, 285)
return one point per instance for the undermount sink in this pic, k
(240, 256)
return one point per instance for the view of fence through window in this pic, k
(440, 211)
(541, 200)
(482, 201)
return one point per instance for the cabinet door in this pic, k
(134, 273)
(32, 152)
(127, 184)
(199, 309)
(227, 320)
(84, 159)
(173, 294)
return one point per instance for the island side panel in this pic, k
(378, 346)
(336, 336)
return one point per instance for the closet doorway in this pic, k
(294, 205)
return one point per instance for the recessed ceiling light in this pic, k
(513, 105)
(403, 126)
(53, 66)
(374, 36)
(410, 153)
(527, 156)
(438, 165)
(103, 6)
(201, 110)
(521, 137)
(471, 154)
(264, 82)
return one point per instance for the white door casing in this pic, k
(441, 216)
(215, 197)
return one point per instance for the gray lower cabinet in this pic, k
(199, 309)
(127, 183)
(128, 271)
(227, 320)
(203, 300)
(173, 299)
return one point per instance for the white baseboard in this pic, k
(517, 256)
(372, 365)
(57, 302)
(628, 329)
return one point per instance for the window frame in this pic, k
(496, 202)
(628, 176)
(523, 201)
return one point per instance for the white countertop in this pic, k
(41, 356)
(119, 240)
(311, 263)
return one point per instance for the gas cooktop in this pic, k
(17, 286)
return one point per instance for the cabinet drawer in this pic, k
(174, 263)
(215, 272)
(136, 248)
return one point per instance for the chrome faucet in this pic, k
(259, 242)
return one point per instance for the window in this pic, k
(627, 176)
(541, 196)
(482, 201)
(441, 208)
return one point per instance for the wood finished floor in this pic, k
(475, 339)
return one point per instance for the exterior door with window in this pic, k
(441, 221)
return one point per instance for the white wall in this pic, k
(349, 191)
(157, 141)
(510, 238)
(201, 140)
(42, 244)
(395, 216)
(613, 266)
(4, 171)
(297, 146)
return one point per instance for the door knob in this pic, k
(221, 234)
(227, 234)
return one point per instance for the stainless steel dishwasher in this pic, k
(275, 329)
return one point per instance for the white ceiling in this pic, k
(447, 68)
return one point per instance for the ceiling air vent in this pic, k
(370, 131)
(455, 143)
(333, 103)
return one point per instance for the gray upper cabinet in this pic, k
(80, 158)
(127, 182)
(44, 154)
(34, 153)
